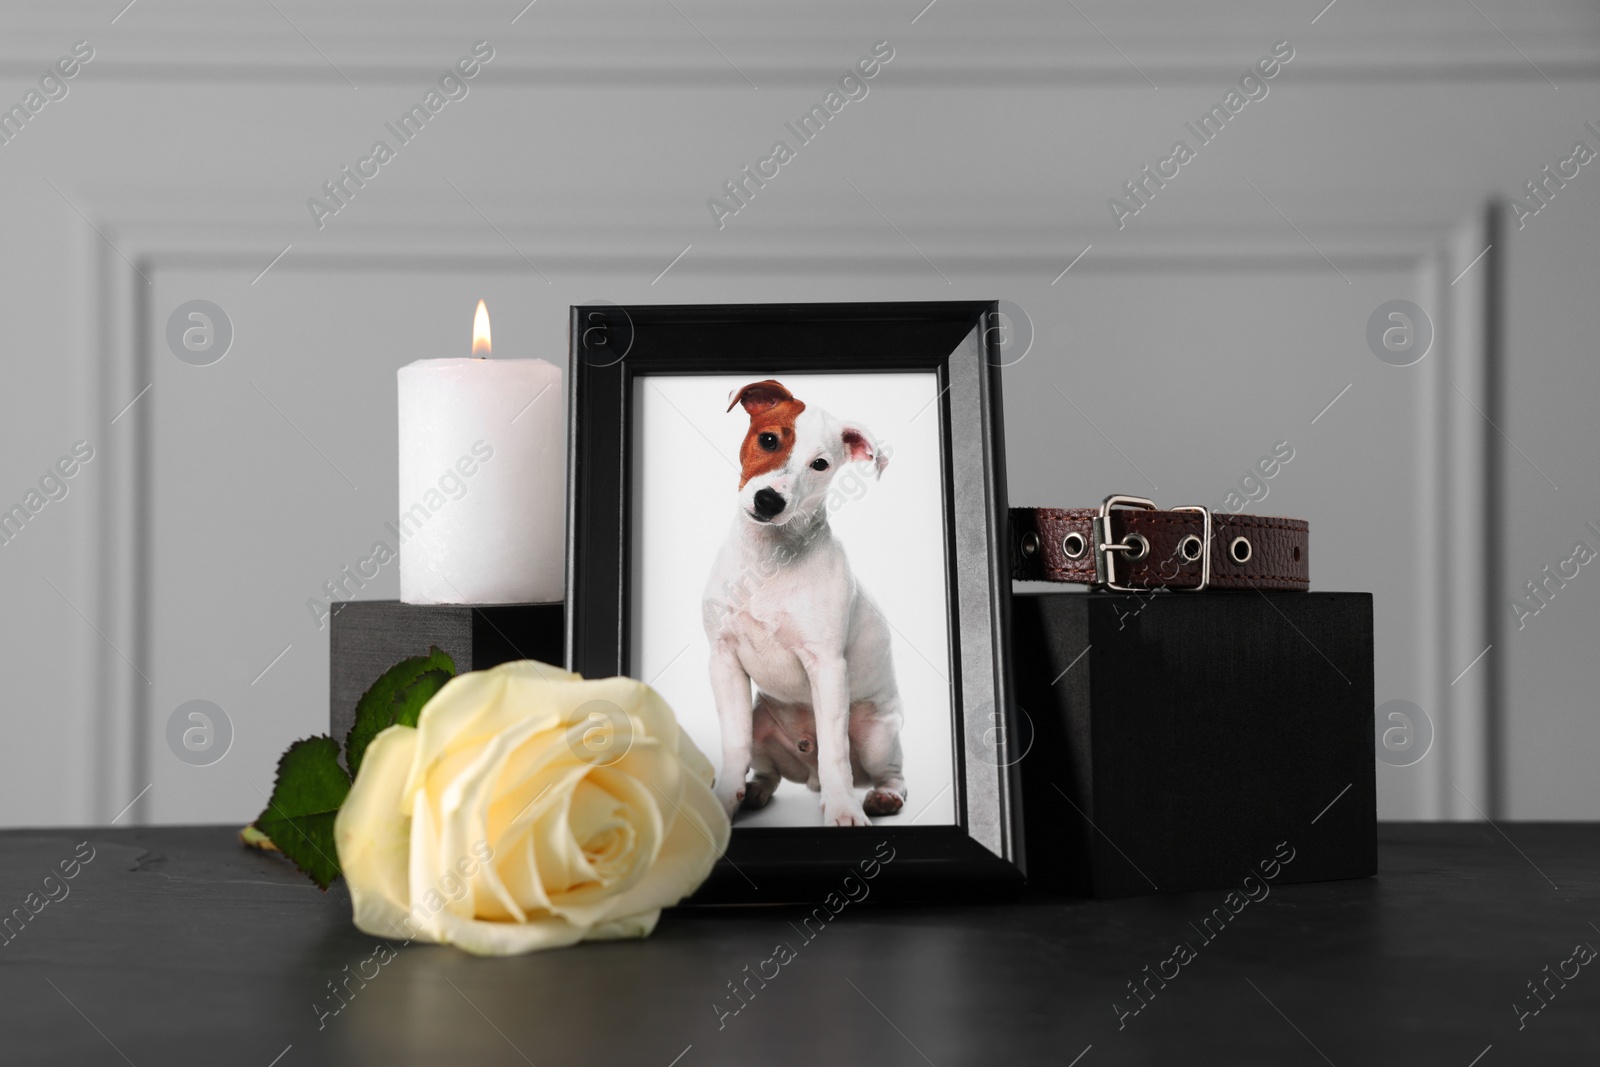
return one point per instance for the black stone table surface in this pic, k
(177, 946)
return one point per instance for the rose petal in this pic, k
(696, 837)
(464, 790)
(507, 939)
(474, 708)
(373, 834)
(640, 925)
(631, 800)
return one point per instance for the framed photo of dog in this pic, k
(789, 520)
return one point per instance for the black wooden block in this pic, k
(1178, 739)
(370, 636)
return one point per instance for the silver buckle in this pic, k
(1106, 563)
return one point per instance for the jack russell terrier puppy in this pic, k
(783, 609)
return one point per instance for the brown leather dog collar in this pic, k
(1127, 544)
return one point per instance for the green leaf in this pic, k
(299, 818)
(396, 697)
(409, 704)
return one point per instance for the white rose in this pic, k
(529, 809)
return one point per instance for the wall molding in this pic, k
(638, 43)
(1460, 533)
(163, 235)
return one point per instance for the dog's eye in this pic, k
(819, 464)
(768, 441)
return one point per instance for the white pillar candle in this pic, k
(482, 480)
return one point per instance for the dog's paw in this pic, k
(758, 792)
(730, 798)
(844, 813)
(883, 802)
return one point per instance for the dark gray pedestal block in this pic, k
(1178, 739)
(370, 636)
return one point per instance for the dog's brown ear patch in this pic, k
(773, 410)
(759, 396)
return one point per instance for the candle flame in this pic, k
(481, 347)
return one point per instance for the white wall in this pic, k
(978, 166)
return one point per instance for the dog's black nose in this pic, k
(768, 503)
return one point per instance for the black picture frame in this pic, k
(611, 345)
